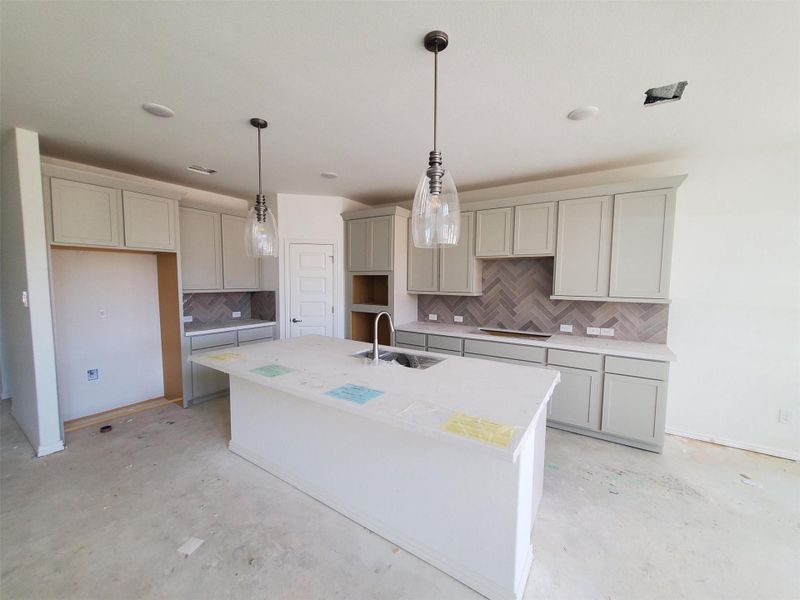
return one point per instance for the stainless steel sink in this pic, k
(411, 361)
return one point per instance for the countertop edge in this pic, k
(225, 328)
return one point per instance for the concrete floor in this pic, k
(105, 519)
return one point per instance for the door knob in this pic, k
(297, 320)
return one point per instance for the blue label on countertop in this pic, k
(354, 393)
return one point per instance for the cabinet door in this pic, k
(641, 244)
(535, 229)
(456, 272)
(85, 214)
(207, 381)
(576, 400)
(423, 267)
(358, 245)
(583, 247)
(201, 250)
(493, 232)
(634, 408)
(149, 221)
(380, 243)
(239, 271)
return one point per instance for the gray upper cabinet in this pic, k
(369, 244)
(457, 263)
(85, 214)
(641, 246)
(634, 408)
(239, 271)
(201, 249)
(493, 232)
(451, 270)
(149, 221)
(535, 229)
(583, 247)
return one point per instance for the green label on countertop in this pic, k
(271, 370)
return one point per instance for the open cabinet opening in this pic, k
(371, 289)
(362, 328)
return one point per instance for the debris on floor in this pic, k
(746, 480)
(190, 546)
(105, 428)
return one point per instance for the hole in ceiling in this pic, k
(665, 93)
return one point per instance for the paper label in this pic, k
(480, 429)
(271, 370)
(225, 356)
(354, 393)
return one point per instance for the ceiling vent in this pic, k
(665, 93)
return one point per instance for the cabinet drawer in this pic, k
(410, 347)
(440, 351)
(577, 360)
(512, 361)
(256, 333)
(407, 337)
(444, 342)
(502, 350)
(636, 367)
(211, 340)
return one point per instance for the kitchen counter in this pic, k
(446, 462)
(191, 329)
(596, 345)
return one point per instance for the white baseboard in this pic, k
(735, 444)
(50, 449)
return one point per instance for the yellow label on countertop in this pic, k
(225, 356)
(480, 429)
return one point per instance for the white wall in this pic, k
(734, 321)
(28, 348)
(313, 218)
(125, 345)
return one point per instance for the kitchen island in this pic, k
(446, 462)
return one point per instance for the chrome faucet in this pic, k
(375, 348)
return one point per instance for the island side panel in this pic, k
(463, 511)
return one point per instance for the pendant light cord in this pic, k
(259, 161)
(435, 92)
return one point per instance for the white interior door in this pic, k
(310, 289)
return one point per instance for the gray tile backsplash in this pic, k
(217, 307)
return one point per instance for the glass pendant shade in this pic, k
(260, 238)
(436, 218)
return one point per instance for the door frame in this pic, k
(285, 299)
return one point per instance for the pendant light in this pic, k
(436, 214)
(260, 232)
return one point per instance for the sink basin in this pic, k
(411, 361)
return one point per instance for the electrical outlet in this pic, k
(458, 319)
(25, 298)
(565, 328)
(786, 416)
(592, 331)
(93, 374)
(236, 314)
(188, 318)
(433, 317)
(607, 331)
(101, 312)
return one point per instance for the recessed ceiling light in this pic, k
(583, 113)
(199, 169)
(329, 174)
(159, 110)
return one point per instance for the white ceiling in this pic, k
(347, 87)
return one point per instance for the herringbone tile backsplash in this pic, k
(217, 307)
(516, 295)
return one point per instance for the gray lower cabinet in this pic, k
(207, 381)
(634, 408)
(577, 399)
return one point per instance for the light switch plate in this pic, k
(101, 312)
(433, 317)
(458, 319)
(565, 328)
(188, 318)
(592, 331)
(236, 314)
(93, 374)
(607, 331)
(786, 416)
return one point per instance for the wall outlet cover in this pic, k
(433, 317)
(592, 331)
(101, 312)
(93, 374)
(236, 314)
(458, 319)
(607, 331)
(188, 318)
(565, 328)
(786, 416)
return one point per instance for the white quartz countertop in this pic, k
(599, 345)
(191, 329)
(418, 400)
